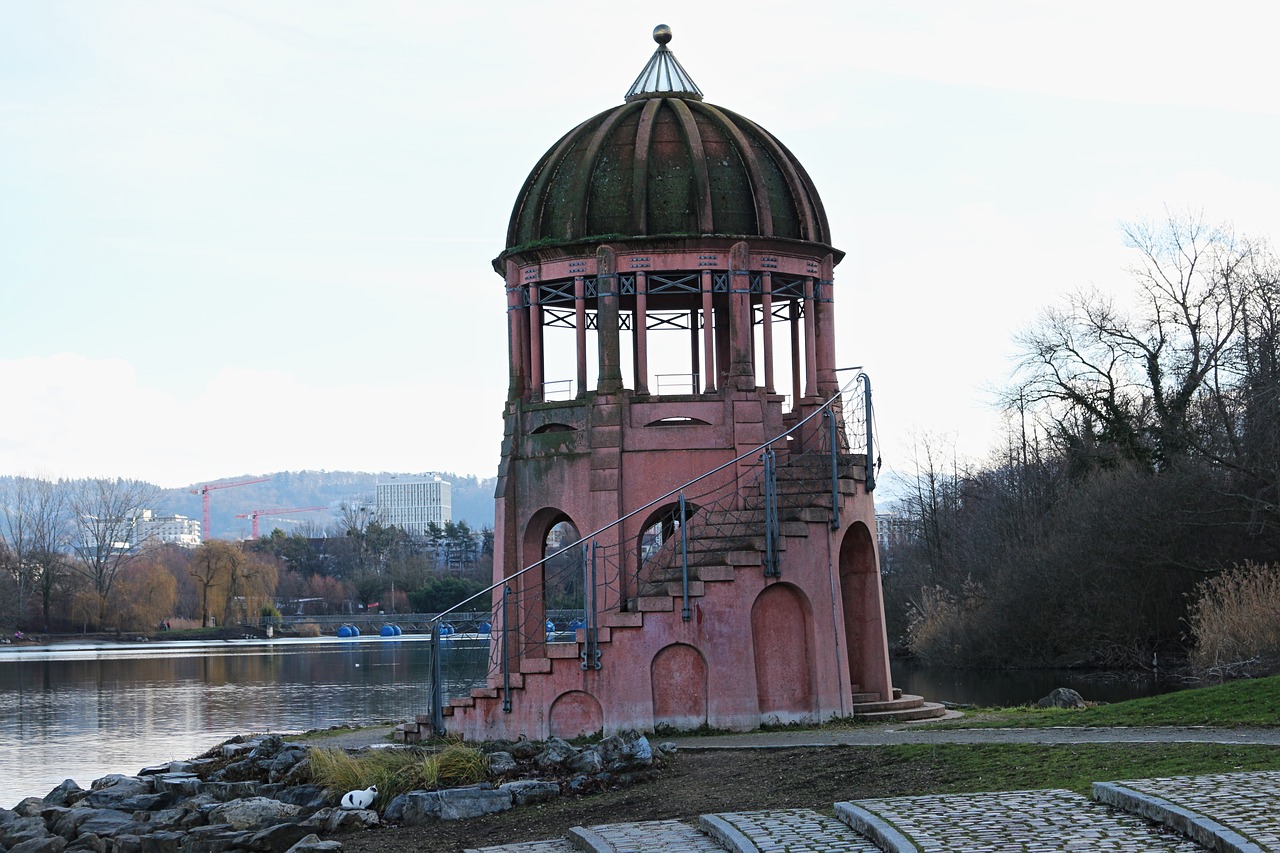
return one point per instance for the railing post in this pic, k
(437, 684)
(685, 612)
(835, 467)
(772, 569)
(590, 655)
(506, 653)
(866, 405)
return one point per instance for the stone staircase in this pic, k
(721, 542)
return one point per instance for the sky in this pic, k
(246, 237)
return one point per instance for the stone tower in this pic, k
(669, 278)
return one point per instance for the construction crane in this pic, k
(270, 512)
(204, 491)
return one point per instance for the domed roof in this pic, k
(665, 164)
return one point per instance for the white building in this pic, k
(413, 503)
(152, 529)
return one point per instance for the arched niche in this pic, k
(863, 609)
(678, 679)
(781, 634)
(575, 714)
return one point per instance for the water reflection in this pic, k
(997, 688)
(90, 711)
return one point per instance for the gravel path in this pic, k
(891, 734)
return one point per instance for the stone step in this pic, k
(785, 830)
(903, 703)
(669, 836)
(1009, 820)
(926, 711)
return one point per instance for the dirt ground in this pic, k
(694, 783)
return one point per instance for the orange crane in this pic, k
(204, 491)
(270, 512)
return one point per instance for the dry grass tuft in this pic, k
(457, 764)
(1236, 617)
(307, 629)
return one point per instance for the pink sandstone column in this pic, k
(610, 379)
(766, 310)
(535, 343)
(741, 368)
(708, 337)
(517, 339)
(640, 334)
(794, 321)
(810, 341)
(826, 329)
(580, 330)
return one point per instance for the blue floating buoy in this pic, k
(484, 628)
(398, 630)
(345, 631)
(551, 626)
(388, 631)
(355, 632)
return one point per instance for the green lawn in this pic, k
(1253, 702)
(969, 768)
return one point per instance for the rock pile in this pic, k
(257, 795)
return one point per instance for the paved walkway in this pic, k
(1236, 812)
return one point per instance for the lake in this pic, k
(81, 711)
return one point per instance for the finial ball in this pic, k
(662, 34)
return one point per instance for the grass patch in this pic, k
(974, 768)
(455, 765)
(397, 771)
(1253, 702)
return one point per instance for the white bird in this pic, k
(359, 799)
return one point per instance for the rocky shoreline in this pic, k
(257, 794)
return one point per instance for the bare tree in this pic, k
(36, 526)
(1109, 381)
(106, 512)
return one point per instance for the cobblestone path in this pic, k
(1229, 812)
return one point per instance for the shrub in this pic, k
(394, 771)
(270, 614)
(456, 765)
(1235, 619)
(307, 629)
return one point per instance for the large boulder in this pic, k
(47, 844)
(313, 844)
(1062, 697)
(332, 821)
(115, 790)
(253, 813)
(419, 807)
(527, 791)
(66, 794)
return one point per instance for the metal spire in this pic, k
(663, 75)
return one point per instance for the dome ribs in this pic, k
(702, 180)
(582, 186)
(812, 216)
(533, 196)
(640, 168)
(759, 191)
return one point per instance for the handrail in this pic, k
(822, 408)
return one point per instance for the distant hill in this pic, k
(472, 499)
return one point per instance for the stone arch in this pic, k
(658, 542)
(863, 609)
(575, 713)
(534, 588)
(678, 679)
(782, 640)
